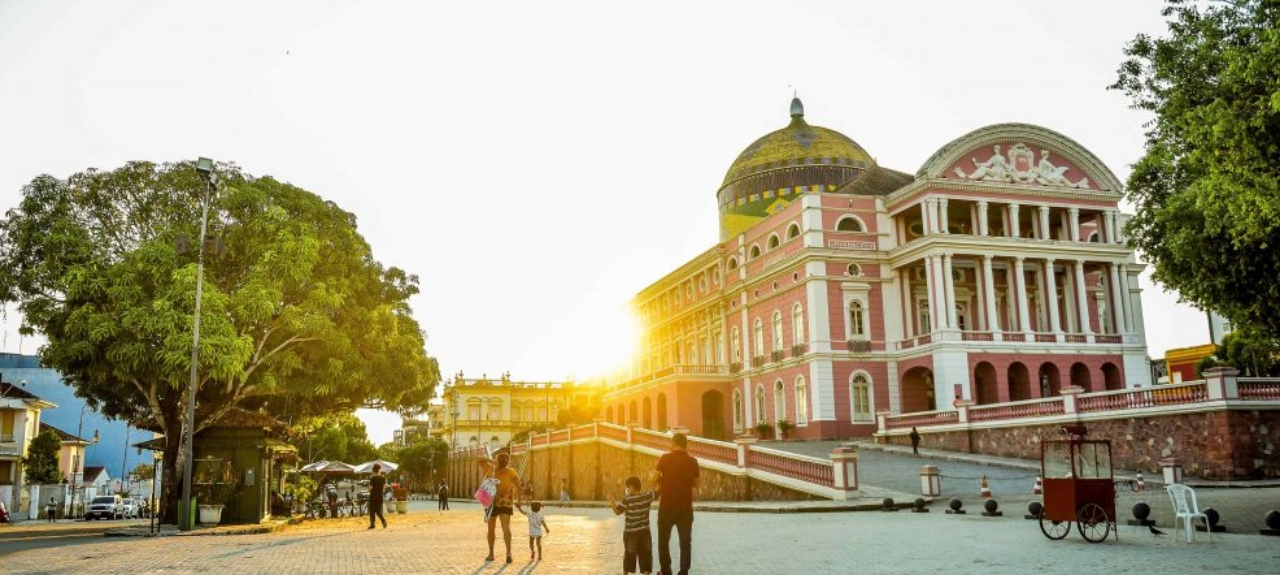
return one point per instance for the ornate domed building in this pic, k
(841, 289)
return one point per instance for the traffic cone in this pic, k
(1039, 488)
(1142, 483)
(986, 489)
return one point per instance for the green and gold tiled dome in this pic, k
(782, 165)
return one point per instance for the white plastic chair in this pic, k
(1186, 509)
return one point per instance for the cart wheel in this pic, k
(1093, 523)
(1054, 529)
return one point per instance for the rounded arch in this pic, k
(661, 408)
(754, 253)
(1050, 380)
(646, 413)
(777, 331)
(984, 377)
(757, 334)
(633, 414)
(860, 397)
(779, 401)
(733, 263)
(1080, 377)
(916, 390)
(760, 418)
(774, 241)
(608, 414)
(1019, 382)
(857, 320)
(797, 325)
(793, 231)
(850, 223)
(1111, 377)
(735, 345)
(712, 414)
(802, 401)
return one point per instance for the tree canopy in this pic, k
(41, 462)
(1207, 189)
(298, 318)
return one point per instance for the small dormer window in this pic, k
(849, 224)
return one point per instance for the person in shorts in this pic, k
(506, 500)
(537, 527)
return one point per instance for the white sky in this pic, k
(538, 163)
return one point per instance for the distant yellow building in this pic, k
(492, 411)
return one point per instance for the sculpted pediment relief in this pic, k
(1018, 163)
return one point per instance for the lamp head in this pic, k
(204, 166)
(96, 437)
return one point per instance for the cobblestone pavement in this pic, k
(1011, 482)
(589, 541)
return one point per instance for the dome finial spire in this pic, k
(797, 108)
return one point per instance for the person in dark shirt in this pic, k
(443, 495)
(636, 540)
(377, 484)
(677, 477)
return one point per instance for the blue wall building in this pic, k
(113, 449)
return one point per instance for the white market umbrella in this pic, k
(367, 467)
(337, 468)
(313, 466)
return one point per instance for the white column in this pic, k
(943, 227)
(924, 216)
(1044, 223)
(1117, 308)
(989, 294)
(1011, 228)
(949, 283)
(1126, 299)
(1075, 224)
(931, 282)
(908, 304)
(982, 218)
(1082, 302)
(1024, 317)
(1051, 297)
(1112, 236)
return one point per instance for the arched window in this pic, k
(777, 331)
(860, 398)
(735, 346)
(857, 329)
(925, 325)
(755, 252)
(759, 404)
(733, 263)
(737, 411)
(849, 224)
(793, 231)
(758, 334)
(797, 325)
(774, 241)
(779, 401)
(802, 402)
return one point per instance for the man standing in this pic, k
(915, 441)
(677, 477)
(377, 484)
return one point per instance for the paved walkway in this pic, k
(588, 541)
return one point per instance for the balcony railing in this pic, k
(777, 355)
(735, 367)
(859, 346)
(757, 361)
(799, 349)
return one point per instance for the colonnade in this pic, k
(935, 217)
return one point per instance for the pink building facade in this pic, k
(840, 289)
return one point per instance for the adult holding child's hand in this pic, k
(506, 499)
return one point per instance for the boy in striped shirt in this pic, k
(635, 536)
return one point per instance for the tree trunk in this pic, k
(172, 470)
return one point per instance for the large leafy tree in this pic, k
(298, 318)
(41, 462)
(337, 437)
(1208, 188)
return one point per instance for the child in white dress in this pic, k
(537, 527)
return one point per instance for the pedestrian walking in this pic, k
(537, 527)
(677, 477)
(915, 441)
(377, 486)
(51, 509)
(506, 498)
(564, 489)
(443, 495)
(637, 543)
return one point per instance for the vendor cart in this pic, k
(1078, 486)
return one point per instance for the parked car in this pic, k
(128, 509)
(105, 507)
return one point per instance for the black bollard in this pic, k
(919, 506)
(888, 505)
(1033, 510)
(991, 509)
(1272, 519)
(1141, 512)
(1213, 521)
(955, 504)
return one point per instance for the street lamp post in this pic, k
(206, 169)
(77, 461)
